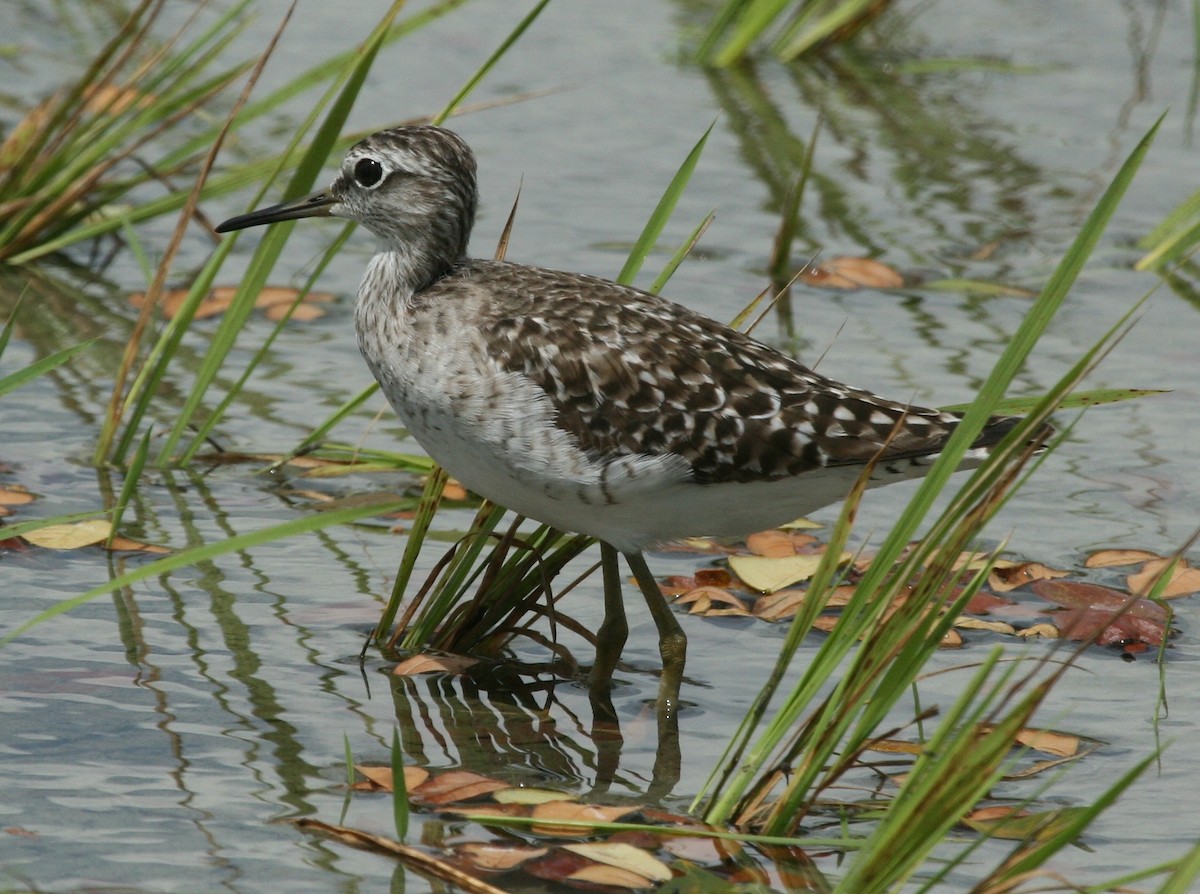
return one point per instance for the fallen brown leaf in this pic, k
(1184, 580)
(701, 600)
(574, 812)
(380, 779)
(433, 664)
(15, 495)
(852, 273)
(492, 857)
(1108, 558)
(776, 543)
(1082, 595)
(453, 786)
(1049, 741)
(1003, 579)
(125, 544)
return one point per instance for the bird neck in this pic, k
(397, 272)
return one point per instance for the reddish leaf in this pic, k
(1080, 595)
(1108, 628)
(495, 857)
(983, 603)
(455, 785)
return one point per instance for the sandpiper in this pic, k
(588, 405)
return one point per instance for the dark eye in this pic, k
(367, 172)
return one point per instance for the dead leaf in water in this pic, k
(453, 786)
(15, 495)
(770, 574)
(126, 544)
(852, 273)
(1003, 579)
(380, 779)
(700, 600)
(1184, 580)
(625, 857)
(493, 857)
(433, 664)
(776, 543)
(1109, 558)
(575, 813)
(71, 536)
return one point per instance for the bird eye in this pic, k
(368, 172)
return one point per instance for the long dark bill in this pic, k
(316, 205)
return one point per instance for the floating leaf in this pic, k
(701, 600)
(1009, 578)
(493, 857)
(15, 495)
(433, 664)
(570, 810)
(776, 543)
(71, 536)
(519, 795)
(1184, 581)
(980, 624)
(380, 779)
(1049, 741)
(768, 575)
(125, 544)
(455, 785)
(1108, 558)
(851, 273)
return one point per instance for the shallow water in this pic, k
(167, 728)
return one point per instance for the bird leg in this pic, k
(610, 638)
(672, 645)
(672, 642)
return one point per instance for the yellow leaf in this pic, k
(1047, 630)
(623, 856)
(72, 536)
(527, 795)
(771, 574)
(979, 624)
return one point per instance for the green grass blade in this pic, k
(399, 788)
(1183, 879)
(654, 226)
(132, 476)
(276, 237)
(430, 499)
(483, 70)
(24, 376)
